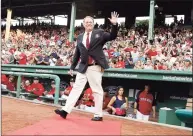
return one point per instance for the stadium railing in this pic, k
(49, 76)
(157, 75)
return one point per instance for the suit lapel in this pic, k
(92, 37)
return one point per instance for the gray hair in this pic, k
(88, 17)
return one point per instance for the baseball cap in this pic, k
(187, 60)
(36, 78)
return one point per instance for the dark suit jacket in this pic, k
(98, 39)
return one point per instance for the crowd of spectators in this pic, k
(48, 45)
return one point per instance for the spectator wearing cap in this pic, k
(144, 104)
(187, 56)
(51, 92)
(37, 88)
(64, 94)
(187, 65)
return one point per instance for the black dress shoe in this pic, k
(62, 113)
(97, 119)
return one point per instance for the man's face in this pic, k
(27, 83)
(147, 87)
(53, 85)
(36, 81)
(88, 24)
(140, 53)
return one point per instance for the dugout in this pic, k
(171, 88)
(167, 94)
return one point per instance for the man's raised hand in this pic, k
(114, 18)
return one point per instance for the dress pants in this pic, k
(94, 77)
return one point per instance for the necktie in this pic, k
(90, 60)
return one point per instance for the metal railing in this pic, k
(49, 76)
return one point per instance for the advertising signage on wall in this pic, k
(150, 77)
(110, 73)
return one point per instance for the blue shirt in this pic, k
(118, 103)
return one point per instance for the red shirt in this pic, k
(128, 49)
(10, 86)
(23, 59)
(68, 89)
(160, 67)
(28, 88)
(110, 52)
(151, 53)
(145, 102)
(37, 89)
(88, 94)
(106, 101)
(52, 91)
(120, 64)
(4, 79)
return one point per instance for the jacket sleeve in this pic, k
(75, 58)
(112, 35)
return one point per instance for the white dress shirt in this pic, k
(85, 37)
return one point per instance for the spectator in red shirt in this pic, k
(37, 88)
(51, 92)
(64, 94)
(120, 63)
(27, 87)
(152, 52)
(10, 83)
(144, 104)
(158, 65)
(4, 79)
(88, 99)
(106, 100)
(22, 59)
(110, 52)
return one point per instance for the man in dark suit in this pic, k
(89, 50)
